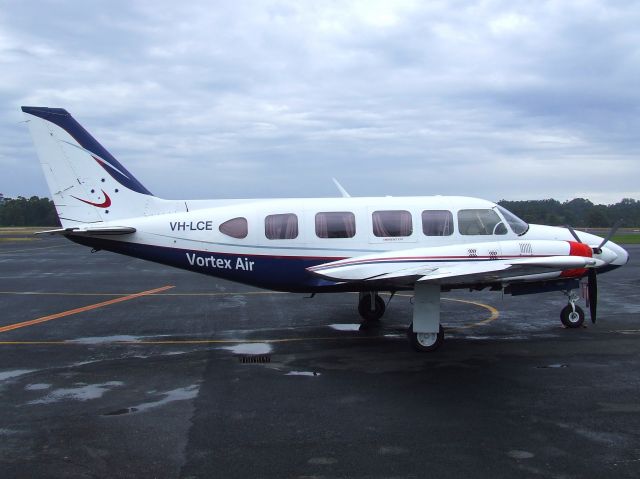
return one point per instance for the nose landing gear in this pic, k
(572, 315)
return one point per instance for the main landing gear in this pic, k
(371, 306)
(425, 342)
(425, 332)
(572, 315)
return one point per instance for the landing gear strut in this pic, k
(425, 332)
(371, 306)
(572, 315)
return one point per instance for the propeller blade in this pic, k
(592, 286)
(573, 233)
(614, 228)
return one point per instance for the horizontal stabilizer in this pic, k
(91, 231)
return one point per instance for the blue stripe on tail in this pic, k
(64, 120)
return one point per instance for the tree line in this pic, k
(28, 212)
(578, 212)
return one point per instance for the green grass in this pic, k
(2, 238)
(626, 238)
(24, 229)
(11, 234)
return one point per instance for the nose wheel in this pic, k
(572, 316)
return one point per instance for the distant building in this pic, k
(2, 198)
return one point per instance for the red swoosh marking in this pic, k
(105, 204)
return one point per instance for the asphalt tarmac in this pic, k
(113, 367)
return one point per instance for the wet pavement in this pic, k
(198, 377)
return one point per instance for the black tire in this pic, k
(422, 344)
(368, 314)
(570, 319)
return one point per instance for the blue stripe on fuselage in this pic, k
(278, 273)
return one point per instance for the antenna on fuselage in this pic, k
(343, 192)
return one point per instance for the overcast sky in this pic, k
(495, 99)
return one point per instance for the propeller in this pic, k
(592, 288)
(614, 228)
(573, 233)
(592, 277)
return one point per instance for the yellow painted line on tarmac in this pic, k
(495, 314)
(193, 341)
(90, 307)
(246, 341)
(158, 292)
(50, 293)
(40, 293)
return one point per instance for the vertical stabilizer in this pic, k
(87, 183)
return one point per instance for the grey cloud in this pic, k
(493, 99)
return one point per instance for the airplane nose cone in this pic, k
(614, 254)
(623, 255)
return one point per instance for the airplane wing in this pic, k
(90, 231)
(500, 269)
(407, 270)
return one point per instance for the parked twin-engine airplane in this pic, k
(367, 245)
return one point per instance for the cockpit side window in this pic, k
(235, 227)
(480, 222)
(517, 225)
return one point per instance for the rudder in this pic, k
(87, 183)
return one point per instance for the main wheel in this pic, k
(425, 342)
(368, 314)
(571, 318)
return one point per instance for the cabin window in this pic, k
(480, 222)
(236, 228)
(281, 226)
(336, 225)
(437, 223)
(392, 223)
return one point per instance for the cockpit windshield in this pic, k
(518, 226)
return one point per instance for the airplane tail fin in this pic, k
(87, 183)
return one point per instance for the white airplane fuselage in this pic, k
(193, 241)
(426, 244)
